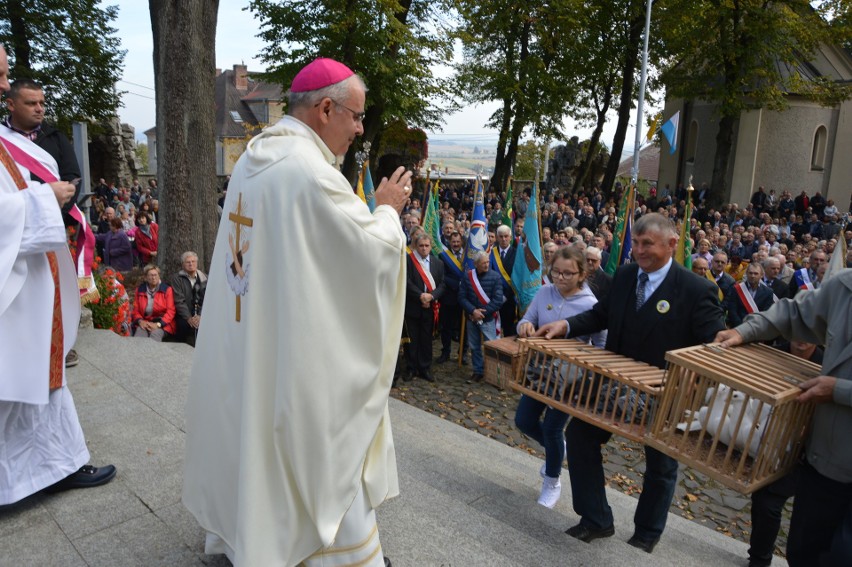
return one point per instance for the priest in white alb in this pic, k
(289, 446)
(41, 441)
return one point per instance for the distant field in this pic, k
(460, 158)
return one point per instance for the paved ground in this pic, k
(465, 499)
(491, 412)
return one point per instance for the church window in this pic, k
(692, 141)
(819, 149)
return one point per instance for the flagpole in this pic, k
(640, 106)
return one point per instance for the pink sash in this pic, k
(85, 238)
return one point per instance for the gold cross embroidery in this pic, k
(240, 220)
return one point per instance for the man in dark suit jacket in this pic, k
(451, 312)
(753, 287)
(654, 306)
(771, 276)
(723, 279)
(503, 255)
(597, 279)
(420, 305)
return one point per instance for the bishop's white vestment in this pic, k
(287, 421)
(41, 441)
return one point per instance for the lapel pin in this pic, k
(663, 306)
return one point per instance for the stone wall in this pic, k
(111, 153)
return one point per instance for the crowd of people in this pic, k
(265, 414)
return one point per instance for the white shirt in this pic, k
(655, 278)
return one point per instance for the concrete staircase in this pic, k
(466, 499)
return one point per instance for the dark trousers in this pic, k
(766, 507)
(585, 465)
(821, 528)
(420, 347)
(450, 323)
(185, 331)
(507, 317)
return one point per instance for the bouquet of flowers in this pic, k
(112, 309)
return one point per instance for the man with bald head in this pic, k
(772, 277)
(289, 449)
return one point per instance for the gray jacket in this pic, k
(822, 317)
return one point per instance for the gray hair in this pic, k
(478, 256)
(594, 251)
(503, 229)
(188, 254)
(420, 237)
(654, 222)
(336, 92)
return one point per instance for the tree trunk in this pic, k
(631, 60)
(719, 190)
(184, 70)
(592, 150)
(17, 18)
(502, 167)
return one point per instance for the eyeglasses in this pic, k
(358, 116)
(563, 275)
(592, 260)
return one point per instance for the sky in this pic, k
(236, 42)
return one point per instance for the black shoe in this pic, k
(443, 358)
(387, 562)
(587, 534)
(71, 359)
(426, 375)
(87, 477)
(476, 377)
(464, 361)
(646, 545)
(759, 563)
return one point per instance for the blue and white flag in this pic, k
(477, 239)
(670, 131)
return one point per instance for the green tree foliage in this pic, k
(514, 53)
(748, 54)
(392, 44)
(528, 152)
(141, 151)
(70, 47)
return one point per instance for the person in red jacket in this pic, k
(154, 309)
(147, 238)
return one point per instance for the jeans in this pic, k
(475, 334)
(585, 465)
(548, 432)
(821, 528)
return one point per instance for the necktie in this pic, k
(640, 290)
(502, 254)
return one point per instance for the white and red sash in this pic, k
(746, 298)
(428, 281)
(482, 296)
(85, 237)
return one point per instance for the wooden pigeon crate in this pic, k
(713, 396)
(501, 361)
(608, 390)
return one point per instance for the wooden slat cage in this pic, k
(608, 390)
(731, 413)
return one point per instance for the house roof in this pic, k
(233, 113)
(649, 164)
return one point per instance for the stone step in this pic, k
(465, 499)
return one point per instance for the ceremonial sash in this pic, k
(57, 332)
(453, 263)
(482, 296)
(85, 238)
(498, 262)
(746, 298)
(428, 280)
(803, 279)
